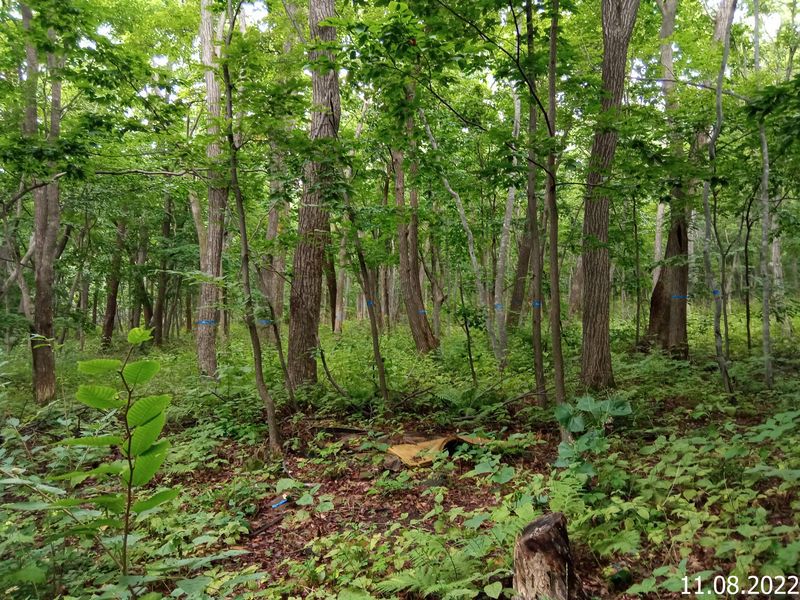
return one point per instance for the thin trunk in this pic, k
(341, 296)
(112, 289)
(552, 209)
(159, 311)
(722, 33)
(249, 306)
(658, 245)
(766, 282)
(502, 255)
(319, 190)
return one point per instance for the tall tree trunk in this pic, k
(208, 305)
(249, 305)
(112, 288)
(502, 254)
(619, 17)
(668, 303)
(552, 209)
(408, 248)
(46, 218)
(532, 221)
(576, 289)
(318, 190)
(722, 34)
(766, 281)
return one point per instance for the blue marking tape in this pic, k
(422, 311)
(536, 304)
(679, 297)
(716, 292)
(277, 504)
(498, 306)
(264, 322)
(370, 303)
(207, 322)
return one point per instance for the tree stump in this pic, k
(543, 568)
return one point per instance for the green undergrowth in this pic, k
(667, 477)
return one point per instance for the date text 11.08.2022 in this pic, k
(731, 585)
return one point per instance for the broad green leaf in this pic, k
(285, 484)
(139, 372)
(28, 574)
(493, 590)
(152, 596)
(144, 435)
(97, 441)
(139, 335)
(146, 408)
(113, 502)
(194, 587)
(99, 366)
(147, 464)
(98, 396)
(35, 505)
(155, 500)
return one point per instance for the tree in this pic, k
(319, 189)
(618, 17)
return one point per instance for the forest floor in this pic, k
(669, 480)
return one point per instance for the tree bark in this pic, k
(766, 276)
(157, 322)
(319, 188)
(668, 302)
(408, 248)
(208, 304)
(502, 254)
(46, 218)
(619, 17)
(543, 565)
(112, 288)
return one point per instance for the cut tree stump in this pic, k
(543, 568)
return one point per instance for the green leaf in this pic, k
(305, 500)
(147, 464)
(97, 441)
(99, 366)
(493, 590)
(194, 587)
(151, 596)
(140, 372)
(155, 500)
(139, 335)
(146, 408)
(144, 435)
(28, 574)
(113, 502)
(98, 396)
(504, 475)
(285, 484)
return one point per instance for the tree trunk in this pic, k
(502, 254)
(408, 250)
(668, 303)
(46, 219)
(766, 281)
(543, 565)
(619, 17)
(341, 295)
(319, 189)
(112, 289)
(250, 320)
(157, 322)
(722, 34)
(208, 305)
(576, 289)
(552, 210)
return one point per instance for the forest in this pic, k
(362, 299)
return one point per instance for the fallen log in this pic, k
(543, 567)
